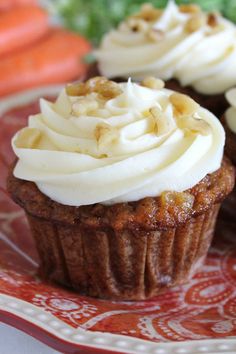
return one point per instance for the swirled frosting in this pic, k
(230, 114)
(140, 142)
(195, 48)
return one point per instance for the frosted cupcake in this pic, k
(194, 52)
(121, 184)
(229, 122)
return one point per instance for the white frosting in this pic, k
(130, 161)
(230, 114)
(204, 59)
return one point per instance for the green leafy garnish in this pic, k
(93, 18)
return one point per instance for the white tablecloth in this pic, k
(13, 341)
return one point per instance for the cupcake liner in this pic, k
(127, 264)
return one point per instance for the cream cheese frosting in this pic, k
(137, 143)
(180, 42)
(230, 114)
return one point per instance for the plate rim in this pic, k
(17, 316)
(18, 313)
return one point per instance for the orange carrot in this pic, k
(7, 4)
(21, 26)
(54, 59)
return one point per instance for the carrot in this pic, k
(21, 26)
(55, 59)
(7, 4)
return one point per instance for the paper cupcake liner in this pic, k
(122, 264)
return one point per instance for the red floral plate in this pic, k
(196, 318)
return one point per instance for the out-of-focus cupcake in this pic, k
(229, 122)
(194, 52)
(121, 184)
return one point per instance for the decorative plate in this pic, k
(199, 317)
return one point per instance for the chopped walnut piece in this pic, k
(184, 109)
(155, 34)
(28, 138)
(161, 123)
(191, 8)
(183, 105)
(148, 13)
(196, 22)
(153, 83)
(137, 25)
(93, 84)
(103, 86)
(105, 135)
(76, 89)
(212, 19)
(195, 125)
(100, 130)
(99, 84)
(84, 105)
(109, 89)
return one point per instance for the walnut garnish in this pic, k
(76, 89)
(93, 84)
(189, 9)
(28, 138)
(185, 109)
(185, 112)
(155, 34)
(148, 13)
(195, 125)
(84, 105)
(137, 25)
(153, 83)
(140, 22)
(183, 105)
(105, 135)
(196, 22)
(99, 84)
(109, 89)
(103, 86)
(161, 123)
(212, 19)
(100, 130)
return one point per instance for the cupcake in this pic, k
(121, 184)
(229, 122)
(194, 52)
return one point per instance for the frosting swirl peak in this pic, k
(103, 142)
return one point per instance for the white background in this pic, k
(13, 341)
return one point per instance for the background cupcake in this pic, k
(229, 122)
(194, 52)
(121, 184)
